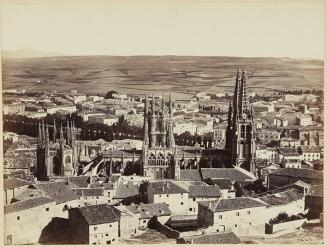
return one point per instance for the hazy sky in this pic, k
(224, 29)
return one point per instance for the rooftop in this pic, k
(223, 205)
(192, 175)
(217, 238)
(98, 214)
(27, 204)
(166, 187)
(204, 191)
(58, 191)
(149, 210)
(282, 198)
(299, 173)
(88, 192)
(11, 183)
(223, 183)
(234, 174)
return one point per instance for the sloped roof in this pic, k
(282, 198)
(88, 192)
(192, 175)
(58, 191)
(127, 189)
(149, 210)
(98, 214)
(204, 191)
(166, 187)
(233, 174)
(27, 204)
(223, 205)
(299, 173)
(78, 181)
(11, 183)
(217, 238)
(223, 183)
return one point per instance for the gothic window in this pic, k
(152, 159)
(242, 131)
(169, 157)
(161, 160)
(248, 132)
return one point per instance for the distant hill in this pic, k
(29, 53)
(184, 75)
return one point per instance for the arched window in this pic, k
(242, 131)
(152, 159)
(160, 159)
(248, 132)
(68, 159)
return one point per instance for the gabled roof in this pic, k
(205, 191)
(98, 214)
(11, 183)
(223, 205)
(234, 174)
(223, 183)
(27, 204)
(299, 173)
(166, 187)
(149, 210)
(192, 175)
(58, 191)
(217, 238)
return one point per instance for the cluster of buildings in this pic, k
(108, 193)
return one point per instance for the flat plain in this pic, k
(184, 75)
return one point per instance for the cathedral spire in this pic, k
(39, 139)
(61, 134)
(68, 133)
(170, 105)
(163, 103)
(54, 135)
(146, 127)
(243, 97)
(46, 134)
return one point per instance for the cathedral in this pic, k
(160, 157)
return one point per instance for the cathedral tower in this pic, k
(241, 129)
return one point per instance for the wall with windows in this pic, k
(104, 233)
(25, 227)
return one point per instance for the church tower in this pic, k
(43, 159)
(241, 129)
(158, 143)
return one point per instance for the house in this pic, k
(166, 191)
(202, 193)
(309, 153)
(289, 158)
(126, 191)
(241, 215)
(90, 196)
(266, 135)
(216, 238)
(290, 201)
(288, 176)
(12, 187)
(145, 212)
(25, 220)
(97, 224)
(289, 142)
(57, 191)
(225, 186)
(266, 153)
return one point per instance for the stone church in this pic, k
(160, 157)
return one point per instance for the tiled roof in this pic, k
(89, 192)
(98, 214)
(282, 198)
(127, 189)
(234, 174)
(299, 173)
(192, 175)
(11, 183)
(223, 183)
(217, 238)
(166, 187)
(310, 149)
(317, 190)
(109, 186)
(204, 191)
(223, 205)
(78, 182)
(58, 191)
(149, 210)
(27, 204)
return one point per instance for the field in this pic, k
(184, 75)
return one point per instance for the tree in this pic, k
(109, 94)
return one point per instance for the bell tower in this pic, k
(241, 129)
